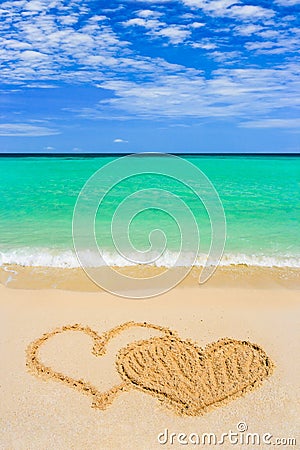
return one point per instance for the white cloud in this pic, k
(231, 8)
(283, 44)
(68, 20)
(42, 45)
(250, 12)
(273, 123)
(120, 141)
(16, 45)
(289, 18)
(205, 45)
(137, 21)
(188, 16)
(41, 86)
(32, 55)
(146, 13)
(34, 5)
(228, 58)
(176, 34)
(229, 93)
(268, 34)
(210, 5)
(153, 26)
(25, 129)
(247, 30)
(72, 47)
(197, 25)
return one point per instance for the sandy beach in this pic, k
(242, 276)
(38, 414)
(149, 225)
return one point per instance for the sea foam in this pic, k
(42, 257)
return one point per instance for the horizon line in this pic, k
(107, 154)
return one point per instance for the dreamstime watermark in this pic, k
(169, 169)
(240, 436)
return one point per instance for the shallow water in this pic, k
(260, 196)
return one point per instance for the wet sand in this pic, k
(242, 276)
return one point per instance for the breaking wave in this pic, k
(42, 257)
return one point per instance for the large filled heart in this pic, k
(189, 379)
(185, 377)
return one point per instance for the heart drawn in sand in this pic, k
(186, 378)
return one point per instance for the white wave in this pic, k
(38, 257)
(41, 257)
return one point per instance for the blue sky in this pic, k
(135, 75)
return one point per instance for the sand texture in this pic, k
(141, 379)
(242, 276)
(185, 377)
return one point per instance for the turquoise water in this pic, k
(260, 196)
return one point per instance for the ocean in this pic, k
(260, 197)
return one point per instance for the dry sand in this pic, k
(44, 414)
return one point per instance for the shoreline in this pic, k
(75, 279)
